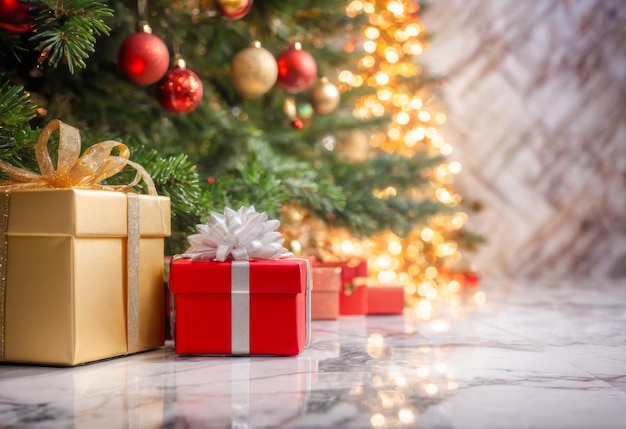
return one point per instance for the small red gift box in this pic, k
(257, 307)
(353, 293)
(325, 293)
(353, 297)
(385, 300)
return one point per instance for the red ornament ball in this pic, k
(298, 124)
(471, 280)
(15, 16)
(297, 69)
(143, 58)
(180, 90)
(233, 9)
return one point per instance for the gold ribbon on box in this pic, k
(84, 172)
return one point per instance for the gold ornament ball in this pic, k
(253, 71)
(289, 107)
(324, 97)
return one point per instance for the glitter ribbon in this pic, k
(132, 275)
(85, 172)
(4, 224)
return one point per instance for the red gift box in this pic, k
(353, 294)
(385, 300)
(257, 307)
(353, 299)
(325, 293)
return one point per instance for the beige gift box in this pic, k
(84, 275)
(325, 296)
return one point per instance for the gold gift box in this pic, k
(66, 291)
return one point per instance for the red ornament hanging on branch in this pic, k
(233, 9)
(180, 90)
(143, 57)
(297, 123)
(297, 69)
(16, 16)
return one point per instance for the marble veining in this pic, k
(536, 355)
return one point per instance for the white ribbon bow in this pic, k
(237, 235)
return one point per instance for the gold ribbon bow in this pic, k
(74, 171)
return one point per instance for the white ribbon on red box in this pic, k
(237, 235)
(240, 308)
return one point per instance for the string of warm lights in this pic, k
(392, 39)
(428, 261)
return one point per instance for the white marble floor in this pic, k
(534, 356)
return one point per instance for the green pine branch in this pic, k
(16, 138)
(67, 30)
(10, 45)
(366, 213)
(16, 107)
(401, 172)
(237, 152)
(175, 177)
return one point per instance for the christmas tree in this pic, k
(278, 104)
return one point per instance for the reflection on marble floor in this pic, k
(542, 355)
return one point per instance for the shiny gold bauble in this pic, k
(290, 109)
(253, 71)
(324, 96)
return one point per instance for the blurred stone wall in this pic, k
(535, 95)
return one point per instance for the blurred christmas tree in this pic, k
(312, 111)
(427, 258)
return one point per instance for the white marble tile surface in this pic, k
(537, 355)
